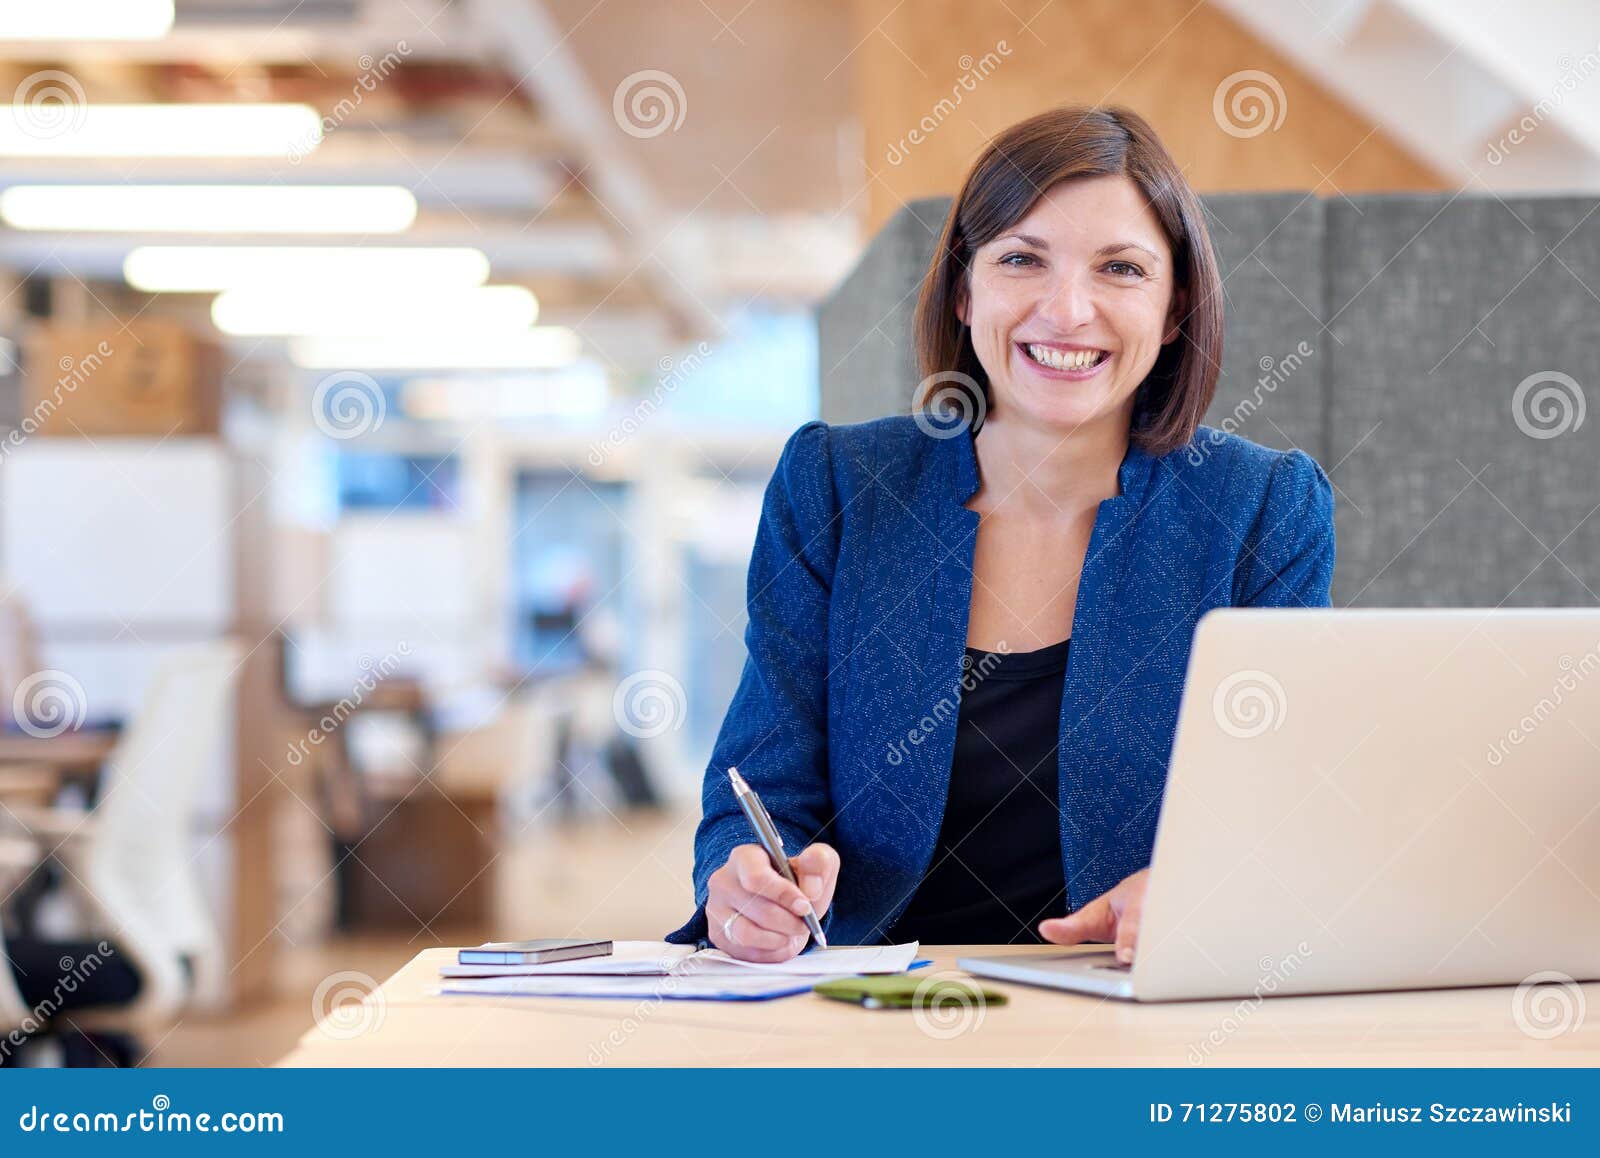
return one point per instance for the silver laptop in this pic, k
(1367, 800)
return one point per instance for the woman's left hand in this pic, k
(1112, 917)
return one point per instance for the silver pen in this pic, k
(772, 841)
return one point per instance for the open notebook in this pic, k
(657, 958)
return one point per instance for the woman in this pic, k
(968, 637)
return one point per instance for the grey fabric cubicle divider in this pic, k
(1454, 489)
(1422, 315)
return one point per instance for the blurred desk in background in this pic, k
(70, 752)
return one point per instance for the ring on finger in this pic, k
(727, 925)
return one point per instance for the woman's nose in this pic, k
(1068, 305)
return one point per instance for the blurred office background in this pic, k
(390, 386)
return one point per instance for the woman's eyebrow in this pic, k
(1118, 246)
(1103, 251)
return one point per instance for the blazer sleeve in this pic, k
(775, 729)
(1288, 555)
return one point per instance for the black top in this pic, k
(997, 868)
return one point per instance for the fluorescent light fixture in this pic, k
(75, 128)
(213, 268)
(398, 310)
(541, 348)
(578, 393)
(86, 20)
(210, 208)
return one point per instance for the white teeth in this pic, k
(1063, 359)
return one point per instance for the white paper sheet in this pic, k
(839, 961)
(724, 987)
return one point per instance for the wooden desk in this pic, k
(70, 752)
(1460, 1027)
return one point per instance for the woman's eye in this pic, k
(1017, 259)
(1125, 269)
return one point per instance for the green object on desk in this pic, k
(908, 991)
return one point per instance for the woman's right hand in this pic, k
(754, 914)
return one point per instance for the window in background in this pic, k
(566, 556)
(761, 372)
(370, 481)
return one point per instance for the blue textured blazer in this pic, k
(859, 591)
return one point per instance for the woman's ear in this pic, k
(1175, 316)
(963, 304)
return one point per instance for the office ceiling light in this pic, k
(541, 348)
(210, 208)
(86, 20)
(362, 310)
(213, 268)
(57, 122)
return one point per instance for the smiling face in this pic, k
(1069, 307)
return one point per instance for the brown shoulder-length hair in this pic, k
(1011, 175)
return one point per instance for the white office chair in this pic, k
(130, 861)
